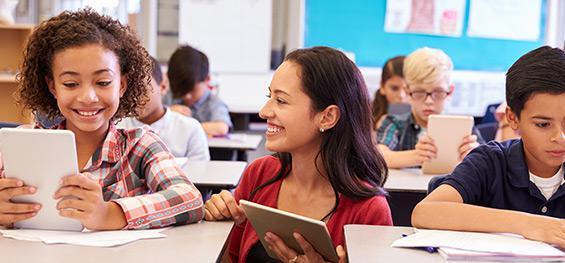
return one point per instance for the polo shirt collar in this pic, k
(411, 121)
(516, 163)
(519, 173)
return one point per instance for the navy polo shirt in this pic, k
(496, 175)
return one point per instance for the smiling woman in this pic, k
(326, 166)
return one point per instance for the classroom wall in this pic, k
(358, 27)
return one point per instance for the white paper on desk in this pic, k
(478, 242)
(96, 238)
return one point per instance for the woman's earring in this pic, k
(322, 130)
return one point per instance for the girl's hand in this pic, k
(286, 254)
(88, 206)
(223, 206)
(11, 212)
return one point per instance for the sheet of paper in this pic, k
(500, 19)
(87, 238)
(478, 242)
(434, 17)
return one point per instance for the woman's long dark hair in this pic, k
(392, 67)
(348, 151)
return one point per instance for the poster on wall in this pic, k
(500, 18)
(431, 17)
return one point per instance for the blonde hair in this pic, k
(426, 65)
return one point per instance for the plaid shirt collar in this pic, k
(411, 122)
(110, 149)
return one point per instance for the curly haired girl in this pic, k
(90, 70)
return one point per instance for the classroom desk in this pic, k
(407, 180)
(372, 244)
(406, 187)
(236, 143)
(202, 242)
(217, 174)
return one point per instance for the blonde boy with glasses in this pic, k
(402, 138)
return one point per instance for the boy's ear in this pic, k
(51, 86)
(123, 85)
(329, 117)
(512, 118)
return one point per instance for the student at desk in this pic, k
(189, 79)
(392, 89)
(326, 166)
(402, 138)
(183, 135)
(92, 71)
(516, 186)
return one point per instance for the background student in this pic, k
(184, 136)
(515, 186)
(92, 71)
(326, 166)
(402, 138)
(392, 90)
(504, 131)
(189, 79)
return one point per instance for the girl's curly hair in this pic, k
(74, 29)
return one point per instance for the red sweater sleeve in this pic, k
(257, 173)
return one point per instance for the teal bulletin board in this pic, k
(358, 26)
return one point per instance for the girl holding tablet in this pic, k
(92, 71)
(326, 166)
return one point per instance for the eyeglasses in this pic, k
(422, 95)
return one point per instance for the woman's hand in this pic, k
(286, 254)
(88, 206)
(223, 206)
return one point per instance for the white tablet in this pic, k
(267, 219)
(40, 158)
(448, 132)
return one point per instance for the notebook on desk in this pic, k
(455, 245)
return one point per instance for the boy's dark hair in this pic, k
(541, 70)
(156, 72)
(75, 29)
(187, 66)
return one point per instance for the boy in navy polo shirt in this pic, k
(515, 186)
